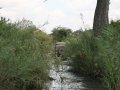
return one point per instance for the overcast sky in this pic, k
(57, 12)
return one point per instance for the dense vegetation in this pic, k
(60, 33)
(25, 52)
(98, 57)
(24, 57)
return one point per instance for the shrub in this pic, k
(79, 49)
(109, 55)
(98, 56)
(23, 58)
(60, 33)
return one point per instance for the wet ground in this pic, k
(63, 79)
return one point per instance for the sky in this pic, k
(65, 13)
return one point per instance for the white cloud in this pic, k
(57, 12)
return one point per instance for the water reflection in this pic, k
(63, 79)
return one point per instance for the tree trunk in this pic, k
(101, 15)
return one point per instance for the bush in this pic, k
(109, 55)
(79, 49)
(98, 56)
(23, 58)
(60, 33)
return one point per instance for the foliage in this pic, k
(99, 56)
(79, 49)
(109, 55)
(24, 57)
(25, 24)
(60, 33)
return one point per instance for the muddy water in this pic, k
(63, 79)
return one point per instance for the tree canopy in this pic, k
(60, 33)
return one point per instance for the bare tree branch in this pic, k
(45, 23)
(45, 0)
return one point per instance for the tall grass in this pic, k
(79, 49)
(98, 57)
(109, 55)
(23, 58)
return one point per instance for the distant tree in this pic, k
(60, 33)
(25, 24)
(77, 32)
(101, 15)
